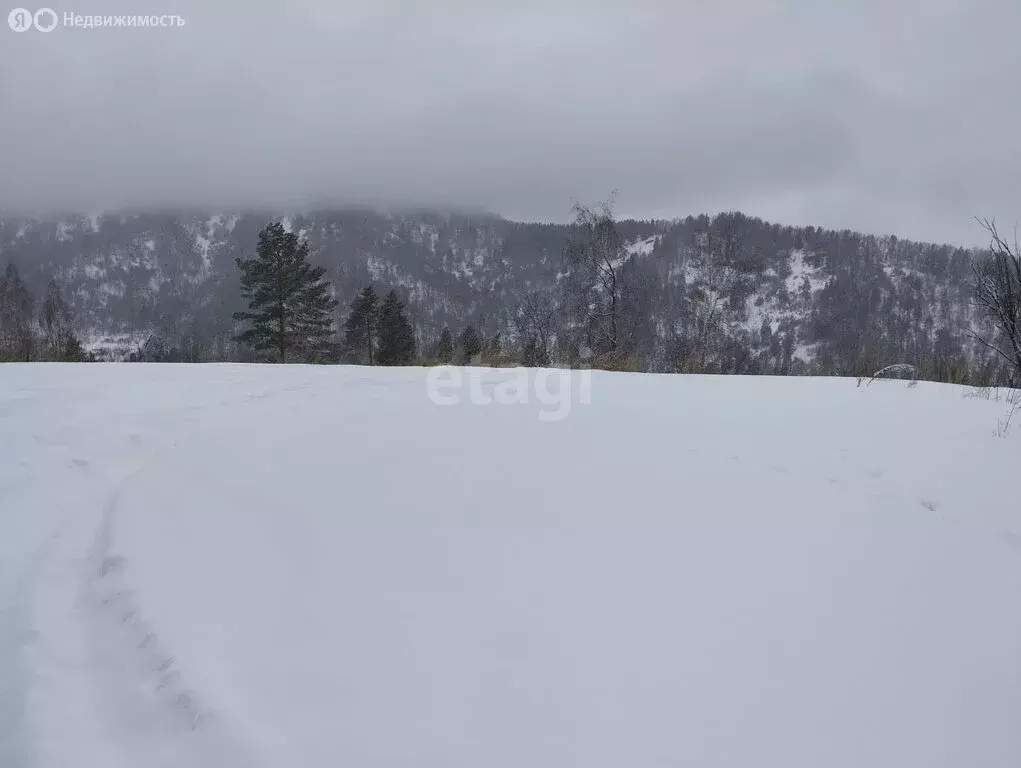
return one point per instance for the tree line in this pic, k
(291, 310)
(603, 309)
(29, 333)
(598, 312)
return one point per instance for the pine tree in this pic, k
(471, 345)
(361, 325)
(290, 304)
(445, 352)
(396, 335)
(74, 352)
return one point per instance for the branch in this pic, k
(993, 347)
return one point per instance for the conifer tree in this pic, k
(362, 324)
(445, 352)
(289, 300)
(471, 344)
(396, 335)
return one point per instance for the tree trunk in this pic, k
(368, 336)
(613, 321)
(280, 340)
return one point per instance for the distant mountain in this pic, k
(808, 299)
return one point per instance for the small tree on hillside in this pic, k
(997, 286)
(471, 345)
(396, 335)
(290, 306)
(362, 324)
(445, 350)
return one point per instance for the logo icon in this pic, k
(45, 19)
(22, 20)
(19, 20)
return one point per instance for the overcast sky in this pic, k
(890, 116)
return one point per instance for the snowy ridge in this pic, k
(129, 274)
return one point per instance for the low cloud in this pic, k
(888, 119)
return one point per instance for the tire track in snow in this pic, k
(163, 718)
(99, 686)
(20, 640)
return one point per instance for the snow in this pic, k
(757, 312)
(376, 266)
(636, 249)
(113, 288)
(685, 272)
(902, 272)
(202, 244)
(804, 352)
(317, 566)
(113, 346)
(643, 247)
(800, 271)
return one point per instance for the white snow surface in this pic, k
(643, 247)
(800, 271)
(218, 566)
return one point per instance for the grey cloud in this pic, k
(890, 119)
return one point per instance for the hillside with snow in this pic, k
(271, 566)
(804, 300)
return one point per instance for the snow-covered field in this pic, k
(220, 566)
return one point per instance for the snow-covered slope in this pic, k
(807, 301)
(294, 566)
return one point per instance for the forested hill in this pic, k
(793, 299)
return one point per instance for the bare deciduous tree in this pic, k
(997, 280)
(536, 322)
(57, 325)
(602, 289)
(17, 307)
